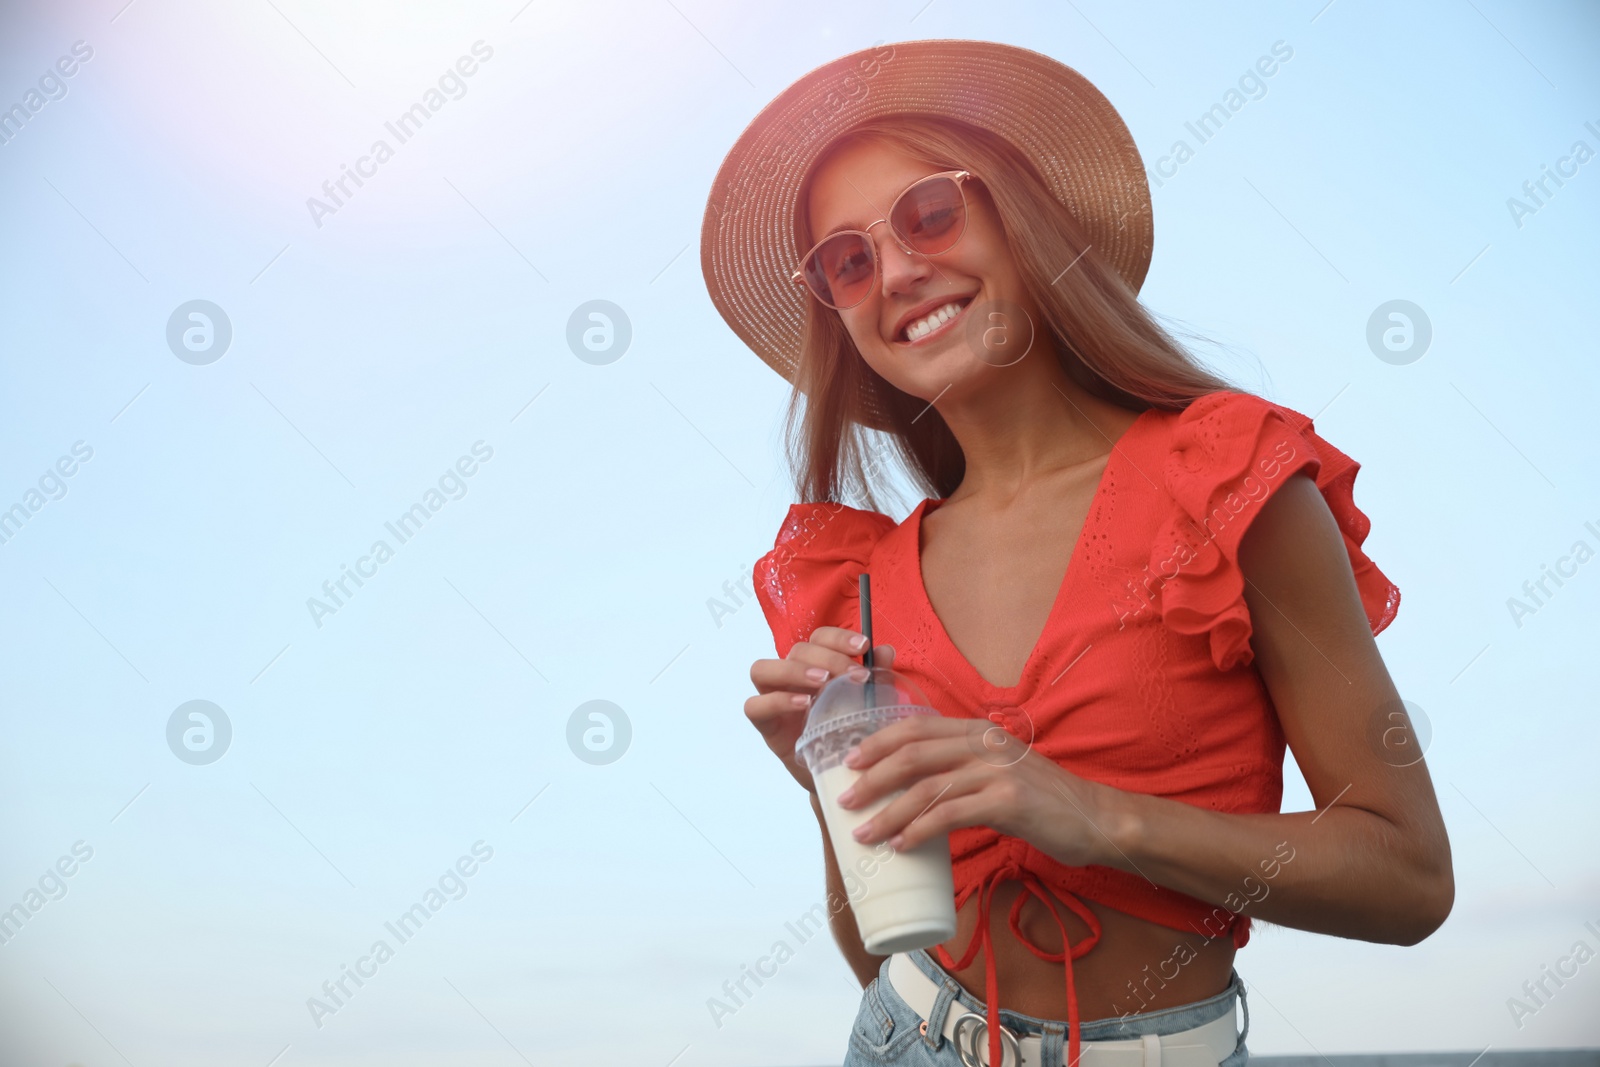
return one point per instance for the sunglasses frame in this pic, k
(958, 176)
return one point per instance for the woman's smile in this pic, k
(924, 324)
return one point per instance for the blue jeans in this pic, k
(886, 1029)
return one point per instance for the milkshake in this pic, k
(903, 900)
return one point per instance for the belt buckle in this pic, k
(970, 1028)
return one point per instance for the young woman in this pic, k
(1131, 585)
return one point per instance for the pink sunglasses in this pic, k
(928, 217)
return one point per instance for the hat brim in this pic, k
(1048, 111)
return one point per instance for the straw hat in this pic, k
(1047, 110)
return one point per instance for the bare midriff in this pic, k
(1138, 966)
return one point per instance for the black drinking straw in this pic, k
(866, 630)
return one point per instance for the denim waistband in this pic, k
(1171, 1020)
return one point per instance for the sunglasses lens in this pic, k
(839, 270)
(930, 215)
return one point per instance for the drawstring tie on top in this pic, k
(1014, 871)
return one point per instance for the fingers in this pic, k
(777, 713)
(800, 673)
(931, 807)
(910, 761)
(885, 743)
(845, 645)
(950, 813)
(827, 653)
(786, 687)
(849, 642)
(830, 648)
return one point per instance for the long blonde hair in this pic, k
(1106, 341)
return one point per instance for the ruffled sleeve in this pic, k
(1229, 453)
(809, 578)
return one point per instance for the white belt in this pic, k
(1203, 1046)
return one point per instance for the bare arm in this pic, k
(842, 917)
(1373, 862)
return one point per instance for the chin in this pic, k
(938, 375)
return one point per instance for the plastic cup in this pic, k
(902, 899)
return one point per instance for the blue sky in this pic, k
(425, 323)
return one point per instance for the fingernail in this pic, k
(799, 700)
(817, 674)
(862, 832)
(852, 757)
(858, 642)
(848, 795)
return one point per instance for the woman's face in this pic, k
(854, 187)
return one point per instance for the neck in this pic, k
(1027, 425)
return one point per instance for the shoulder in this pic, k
(811, 571)
(819, 531)
(1244, 447)
(1226, 460)
(1223, 433)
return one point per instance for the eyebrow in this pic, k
(850, 226)
(843, 226)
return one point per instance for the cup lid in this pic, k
(857, 703)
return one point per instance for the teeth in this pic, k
(933, 320)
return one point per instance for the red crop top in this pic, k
(1142, 678)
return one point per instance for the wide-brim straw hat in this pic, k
(1048, 111)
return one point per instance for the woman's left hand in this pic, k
(970, 772)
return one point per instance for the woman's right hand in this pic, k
(786, 687)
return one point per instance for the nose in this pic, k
(901, 270)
